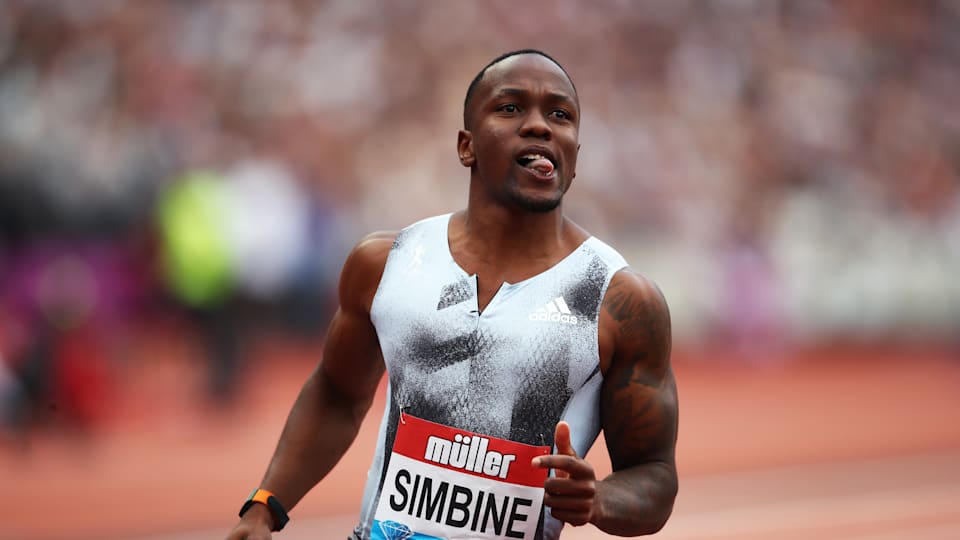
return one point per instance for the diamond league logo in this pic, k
(395, 531)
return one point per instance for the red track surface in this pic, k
(834, 444)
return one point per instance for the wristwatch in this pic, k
(264, 497)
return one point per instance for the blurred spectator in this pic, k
(193, 228)
(61, 299)
(193, 220)
(266, 218)
(789, 172)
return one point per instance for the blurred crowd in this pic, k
(788, 172)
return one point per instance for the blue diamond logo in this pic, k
(395, 531)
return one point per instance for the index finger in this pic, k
(572, 465)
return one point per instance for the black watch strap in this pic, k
(268, 499)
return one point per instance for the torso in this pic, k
(499, 357)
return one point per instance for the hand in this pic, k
(254, 525)
(571, 492)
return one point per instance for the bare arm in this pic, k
(638, 410)
(327, 414)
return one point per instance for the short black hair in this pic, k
(479, 77)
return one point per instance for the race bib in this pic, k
(450, 483)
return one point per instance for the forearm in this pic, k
(320, 428)
(636, 501)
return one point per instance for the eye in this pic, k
(562, 114)
(509, 108)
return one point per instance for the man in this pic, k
(509, 335)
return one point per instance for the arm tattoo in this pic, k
(644, 328)
(638, 403)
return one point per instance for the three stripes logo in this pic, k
(556, 310)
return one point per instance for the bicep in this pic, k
(352, 362)
(638, 404)
(639, 420)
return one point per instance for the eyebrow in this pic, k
(520, 92)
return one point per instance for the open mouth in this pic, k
(539, 163)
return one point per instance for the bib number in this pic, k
(453, 484)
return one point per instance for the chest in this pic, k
(490, 279)
(530, 347)
(497, 371)
(437, 318)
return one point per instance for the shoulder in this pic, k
(629, 290)
(610, 256)
(580, 238)
(370, 253)
(363, 269)
(635, 321)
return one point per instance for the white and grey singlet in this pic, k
(529, 360)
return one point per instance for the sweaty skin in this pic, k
(524, 111)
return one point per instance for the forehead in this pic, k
(527, 71)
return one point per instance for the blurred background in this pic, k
(181, 181)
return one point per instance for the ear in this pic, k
(465, 148)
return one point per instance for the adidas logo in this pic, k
(556, 310)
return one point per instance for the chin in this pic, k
(537, 205)
(538, 200)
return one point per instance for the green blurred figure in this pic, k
(196, 255)
(198, 270)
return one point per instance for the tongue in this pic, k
(542, 165)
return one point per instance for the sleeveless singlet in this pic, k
(529, 360)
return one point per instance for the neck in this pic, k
(507, 233)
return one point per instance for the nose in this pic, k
(535, 125)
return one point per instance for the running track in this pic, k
(839, 444)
